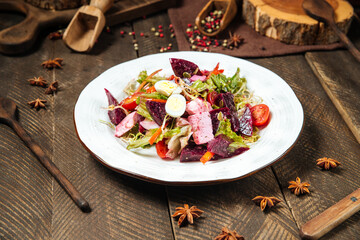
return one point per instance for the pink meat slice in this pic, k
(148, 124)
(201, 127)
(125, 125)
(198, 106)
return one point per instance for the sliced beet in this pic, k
(180, 66)
(192, 152)
(116, 115)
(139, 118)
(245, 121)
(235, 125)
(214, 117)
(157, 111)
(220, 146)
(226, 100)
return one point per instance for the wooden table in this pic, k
(34, 206)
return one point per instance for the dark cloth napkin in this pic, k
(255, 45)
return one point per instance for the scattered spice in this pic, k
(298, 187)
(327, 163)
(37, 103)
(52, 88)
(56, 35)
(227, 234)
(122, 32)
(38, 81)
(161, 35)
(235, 40)
(212, 21)
(52, 63)
(264, 202)
(188, 213)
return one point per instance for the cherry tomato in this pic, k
(211, 97)
(260, 114)
(129, 103)
(161, 149)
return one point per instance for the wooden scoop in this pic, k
(86, 25)
(229, 8)
(322, 11)
(7, 116)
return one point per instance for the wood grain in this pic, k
(324, 135)
(230, 205)
(26, 187)
(340, 81)
(123, 208)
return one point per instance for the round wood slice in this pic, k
(285, 20)
(57, 4)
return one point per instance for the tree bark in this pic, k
(286, 21)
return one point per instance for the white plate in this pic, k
(276, 140)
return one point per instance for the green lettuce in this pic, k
(225, 128)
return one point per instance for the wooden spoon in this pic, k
(229, 8)
(7, 116)
(86, 25)
(322, 11)
(331, 217)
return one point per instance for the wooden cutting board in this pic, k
(21, 37)
(285, 20)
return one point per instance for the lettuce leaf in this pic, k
(225, 128)
(139, 140)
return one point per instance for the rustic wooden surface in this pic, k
(34, 206)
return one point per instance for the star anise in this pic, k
(38, 81)
(264, 202)
(327, 163)
(235, 40)
(188, 213)
(56, 35)
(52, 88)
(37, 103)
(52, 63)
(227, 234)
(298, 187)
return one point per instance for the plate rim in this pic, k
(188, 183)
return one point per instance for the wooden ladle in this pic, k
(7, 116)
(86, 26)
(322, 11)
(229, 8)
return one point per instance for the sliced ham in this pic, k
(201, 127)
(148, 124)
(126, 124)
(198, 106)
(181, 122)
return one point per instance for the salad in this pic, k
(199, 115)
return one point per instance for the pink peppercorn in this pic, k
(160, 26)
(169, 48)
(170, 26)
(132, 33)
(161, 35)
(160, 31)
(122, 32)
(189, 25)
(141, 34)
